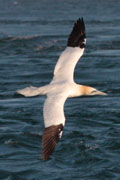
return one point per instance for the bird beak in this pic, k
(99, 93)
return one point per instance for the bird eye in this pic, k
(93, 91)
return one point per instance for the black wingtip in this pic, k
(50, 139)
(78, 35)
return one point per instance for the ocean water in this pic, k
(32, 36)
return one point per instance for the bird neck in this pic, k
(84, 90)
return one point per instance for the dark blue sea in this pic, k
(33, 33)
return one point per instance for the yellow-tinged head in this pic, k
(90, 91)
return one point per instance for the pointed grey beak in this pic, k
(99, 93)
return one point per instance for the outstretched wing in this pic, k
(64, 69)
(54, 120)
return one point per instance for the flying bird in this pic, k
(60, 88)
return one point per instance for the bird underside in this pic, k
(60, 88)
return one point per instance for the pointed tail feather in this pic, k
(33, 91)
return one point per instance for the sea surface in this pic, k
(33, 33)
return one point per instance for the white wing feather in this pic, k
(64, 69)
(54, 109)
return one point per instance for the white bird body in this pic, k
(73, 89)
(54, 104)
(60, 88)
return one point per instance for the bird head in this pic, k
(90, 91)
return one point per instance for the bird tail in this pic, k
(32, 91)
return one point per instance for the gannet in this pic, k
(60, 88)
